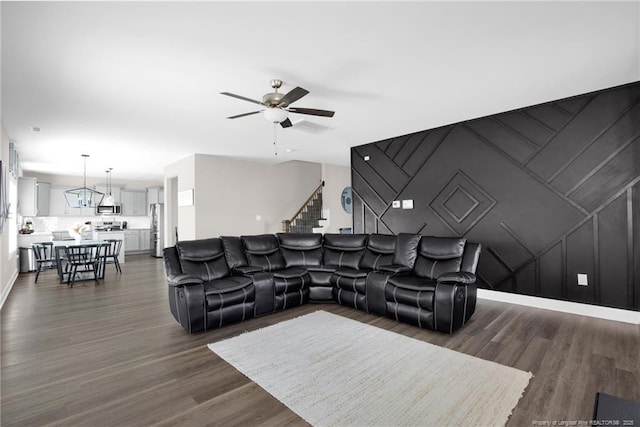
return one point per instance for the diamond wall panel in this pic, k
(550, 191)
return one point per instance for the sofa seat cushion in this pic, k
(421, 299)
(289, 273)
(227, 293)
(227, 284)
(348, 272)
(290, 280)
(350, 280)
(321, 278)
(413, 283)
(323, 268)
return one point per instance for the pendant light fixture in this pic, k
(108, 198)
(83, 197)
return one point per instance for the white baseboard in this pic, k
(619, 315)
(6, 291)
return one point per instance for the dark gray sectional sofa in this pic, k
(422, 280)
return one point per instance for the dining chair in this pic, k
(43, 253)
(88, 257)
(113, 252)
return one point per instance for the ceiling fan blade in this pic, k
(312, 111)
(292, 96)
(233, 95)
(286, 124)
(244, 114)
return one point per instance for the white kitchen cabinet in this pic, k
(137, 240)
(134, 203)
(132, 240)
(145, 239)
(43, 198)
(57, 202)
(27, 196)
(155, 195)
(116, 235)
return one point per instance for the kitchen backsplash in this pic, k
(65, 223)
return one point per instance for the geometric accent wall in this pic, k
(550, 191)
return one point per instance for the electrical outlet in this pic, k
(258, 217)
(583, 280)
(395, 204)
(366, 158)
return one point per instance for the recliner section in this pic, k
(422, 280)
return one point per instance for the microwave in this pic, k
(109, 210)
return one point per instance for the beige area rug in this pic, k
(334, 371)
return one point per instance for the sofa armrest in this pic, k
(248, 269)
(183, 279)
(461, 277)
(453, 305)
(395, 269)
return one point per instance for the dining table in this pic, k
(61, 262)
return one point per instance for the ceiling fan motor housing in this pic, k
(273, 99)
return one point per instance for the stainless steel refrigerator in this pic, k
(156, 214)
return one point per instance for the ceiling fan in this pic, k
(278, 105)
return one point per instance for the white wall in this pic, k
(8, 256)
(230, 194)
(637, 49)
(184, 171)
(336, 178)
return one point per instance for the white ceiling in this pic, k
(136, 85)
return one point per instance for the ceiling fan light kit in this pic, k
(275, 115)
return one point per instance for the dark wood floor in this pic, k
(111, 354)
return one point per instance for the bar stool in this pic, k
(44, 257)
(113, 251)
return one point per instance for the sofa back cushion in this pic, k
(344, 250)
(380, 251)
(470, 257)
(301, 249)
(406, 249)
(437, 255)
(203, 258)
(263, 251)
(233, 251)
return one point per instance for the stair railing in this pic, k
(287, 223)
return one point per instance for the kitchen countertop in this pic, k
(26, 240)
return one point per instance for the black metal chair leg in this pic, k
(117, 265)
(72, 276)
